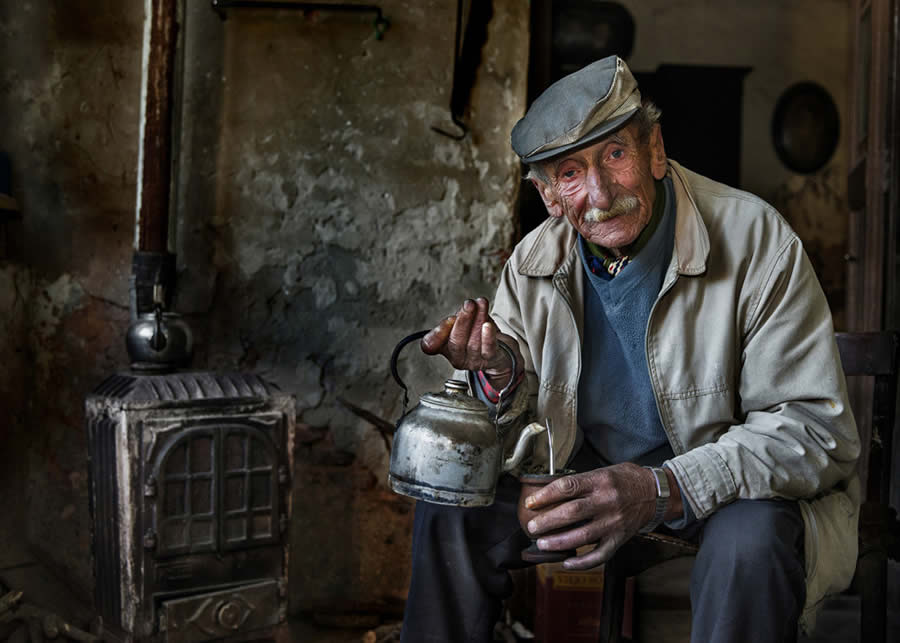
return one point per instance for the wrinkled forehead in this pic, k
(626, 136)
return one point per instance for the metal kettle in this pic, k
(158, 341)
(447, 449)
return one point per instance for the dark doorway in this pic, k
(701, 119)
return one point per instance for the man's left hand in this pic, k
(605, 506)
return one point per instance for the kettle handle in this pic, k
(419, 335)
(158, 339)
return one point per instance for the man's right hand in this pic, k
(468, 340)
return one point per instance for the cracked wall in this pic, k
(334, 221)
(319, 220)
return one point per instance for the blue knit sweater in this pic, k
(616, 407)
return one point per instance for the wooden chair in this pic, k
(875, 354)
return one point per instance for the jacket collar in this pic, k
(554, 241)
(691, 238)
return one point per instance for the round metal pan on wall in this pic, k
(805, 127)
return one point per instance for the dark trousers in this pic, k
(748, 581)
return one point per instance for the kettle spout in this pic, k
(522, 445)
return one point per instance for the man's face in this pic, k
(606, 190)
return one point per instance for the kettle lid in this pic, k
(455, 396)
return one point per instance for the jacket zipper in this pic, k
(662, 418)
(558, 280)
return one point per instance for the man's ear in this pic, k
(548, 196)
(658, 164)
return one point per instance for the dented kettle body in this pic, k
(446, 450)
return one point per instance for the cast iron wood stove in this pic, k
(189, 471)
(191, 497)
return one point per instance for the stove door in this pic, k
(215, 504)
(215, 489)
(205, 617)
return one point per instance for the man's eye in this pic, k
(569, 174)
(618, 154)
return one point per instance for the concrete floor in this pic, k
(308, 632)
(657, 622)
(663, 614)
(21, 569)
(41, 587)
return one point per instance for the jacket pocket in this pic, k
(708, 411)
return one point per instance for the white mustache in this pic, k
(621, 205)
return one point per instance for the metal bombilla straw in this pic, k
(550, 445)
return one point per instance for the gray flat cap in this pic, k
(577, 109)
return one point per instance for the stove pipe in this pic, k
(157, 340)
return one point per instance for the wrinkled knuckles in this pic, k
(579, 509)
(568, 486)
(569, 512)
(432, 343)
(586, 534)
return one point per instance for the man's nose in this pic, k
(598, 190)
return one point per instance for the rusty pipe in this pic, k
(155, 150)
(153, 263)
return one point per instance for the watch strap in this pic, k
(662, 499)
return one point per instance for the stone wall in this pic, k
(319, 219)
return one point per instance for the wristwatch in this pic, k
(662, 499)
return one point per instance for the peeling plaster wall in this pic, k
(321, 220)
(785, 43)
(68, 96)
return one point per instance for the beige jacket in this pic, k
(742, 359)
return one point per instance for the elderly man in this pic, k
(674, 332)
